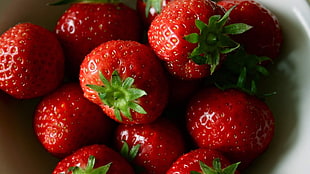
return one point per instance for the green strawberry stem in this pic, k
(63, 2)
(156, 4)
(217, 168)
(89, 169)
(213, 39)
(119, 95)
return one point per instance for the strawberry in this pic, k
(231, 121)
(194, 34)
(32, 61)
(95, 158)
(160, 143)
(64, 121)
(138, 88)
(187, 70)
(201, 160)
(265, 38)
(85, 25)
(149, 9)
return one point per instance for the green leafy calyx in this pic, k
(129, 153)
(120, 95)
(63, 2)
(89, 169)
(213, 39)
(216, 168)
(242, 71)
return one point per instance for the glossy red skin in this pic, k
(190, 161)
(130, 59)
(84, 26)
(233, 122)
(161, 143)
(64, 121)
(141, 7)
(32, 61)
(265, 38)
(103, 155)
(188, 70)
(167, 31)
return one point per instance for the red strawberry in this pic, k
(160, 143)
(193, 33)
(197, 160)
(230, 121)
(86, 25)
(94, 157)
(65, 121)
(187, 70)
(31, 61)
(265, 38)
(138, 91)
(149, 9)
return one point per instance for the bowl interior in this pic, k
(20, 151)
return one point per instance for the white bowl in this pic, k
(289, 151)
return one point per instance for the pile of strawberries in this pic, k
(167, 87)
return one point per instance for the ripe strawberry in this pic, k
(138, 91)
(237, 124)
(187, 70)
(94, 159)
(149, 9)
(193, 33)
(202, 160)
(160, 143)
(265, 38)
(86, 25)
(31, 61)
(65, 121)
